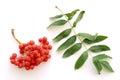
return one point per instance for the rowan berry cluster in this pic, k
(31, 54)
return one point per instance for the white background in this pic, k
(30, 18)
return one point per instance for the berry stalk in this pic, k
(12, 31)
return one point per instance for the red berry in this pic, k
(45, 60)
(38, 60)
(36, 54)
(34, 47)
(16, 63)
(20, 65)
(32, 61)
(27, 63)
(32, 67)
(27, 68)
(12, 61)
(42, 58)
(47, 43)
(14, 55)
(30, 47)
(49, 47)
(27, 53)
(48, 56)
(45, 46)
(40, 39)
(21, 51)
(21, 46)
(20, 58)
(26, 48)
(31, 42)
(27, 58)
(46, 52)
(32, 56)
(44, 40)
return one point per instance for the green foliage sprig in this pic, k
(71, 46)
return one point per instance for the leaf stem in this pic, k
(71, 26)
(12, 32)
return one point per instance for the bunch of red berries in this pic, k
(31, 54)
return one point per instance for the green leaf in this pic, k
(81, 60)
(101, 56)
(62, 35)
(106, 65)
(72, 50)
(99, 48)
(86, 36)
(97, 66)
(78, 18)
(97, 39)
(57, 23)
(70, 15)
(67, 43)
(56, 17)
(98, 60)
